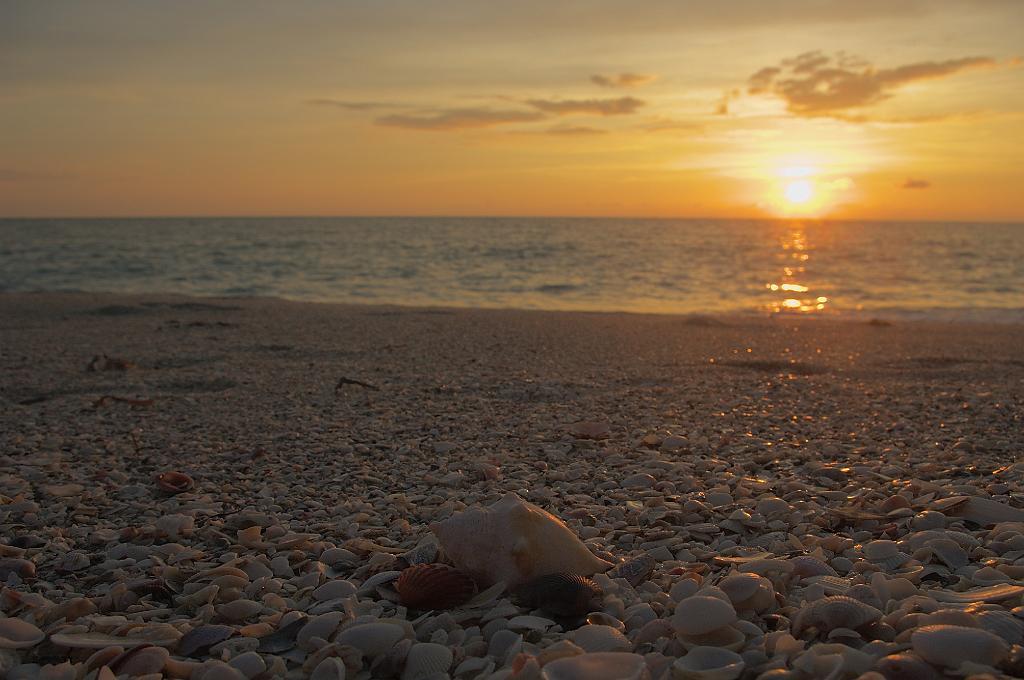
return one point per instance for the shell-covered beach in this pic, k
(234, 488)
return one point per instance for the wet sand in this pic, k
(332, 423)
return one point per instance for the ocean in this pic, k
(954, 271)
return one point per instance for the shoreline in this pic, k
(881, 317)
(323, 440)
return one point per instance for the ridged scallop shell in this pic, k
(560, 594)
(635, 570)
(838, 611)
(950, 646)
(1002, 623)
(708, 663)
(434, 586)
(18, 634)
(949, 552)
(513, 541)
(906, 667)
(806, 565)
(427, 659)
(700, 614)
(175, 482)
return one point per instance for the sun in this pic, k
(799, 191)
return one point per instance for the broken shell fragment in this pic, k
(175, 482)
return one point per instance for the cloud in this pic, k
(350, 105)
(574, 131)
(458, 119)
(815, 84)
(622, 80)
(597, 107)
(916, 184)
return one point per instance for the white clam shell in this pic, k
(331, 668)
(426, 659)
(951, 646)
(372, 639)
(878, 550)
(700, 614)
(740, 587)
(597, 666)
(597, 638)
(708, 663)
(18, 634)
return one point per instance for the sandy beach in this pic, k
(342, 432)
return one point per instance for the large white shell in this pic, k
(699, 615)
(426, 659)
(708, 663)
(513, 541)
(950, 646)
(598, 666)
(596, 638)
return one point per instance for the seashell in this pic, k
(708, 663)
(906, 666)
(198, 641)
(331, 668)
(838, 611)
(740, 587)
(140, 660)
(92, 640)
(425, 553)
(879, 550)
(635, 570)
(831, 585)
(700, 614)
(988, 576)
(1002, 623)
(370, 585)
(601, 619)
(524, 623)
(951, 646)
(950, 552)
(806, 565)
(175, 482)
(427, 659)
(595, 638)
(19, 634)
(282, 639)
(372, 639)
(16, 565)
(434, 586)
(513, 541)
(997, 593)
(982, 511)
(321, 626)
(597, 666)
(589, 429)
(727, 637)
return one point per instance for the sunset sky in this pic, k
(734, 108)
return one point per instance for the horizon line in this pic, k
(1017, 221)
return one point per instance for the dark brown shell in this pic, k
(561, 594)
(198, 641)
(175, 482)
(434, 586)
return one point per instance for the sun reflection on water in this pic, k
(794, 295)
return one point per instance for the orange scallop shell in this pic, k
(434, 586)
(175, 482)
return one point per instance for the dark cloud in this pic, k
(916, 184)
(458, 119)
(351, 105)
(597, 107)
(815, 84)
(622, 80)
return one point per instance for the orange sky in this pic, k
(868, 109)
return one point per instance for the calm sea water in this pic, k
(934, 270)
